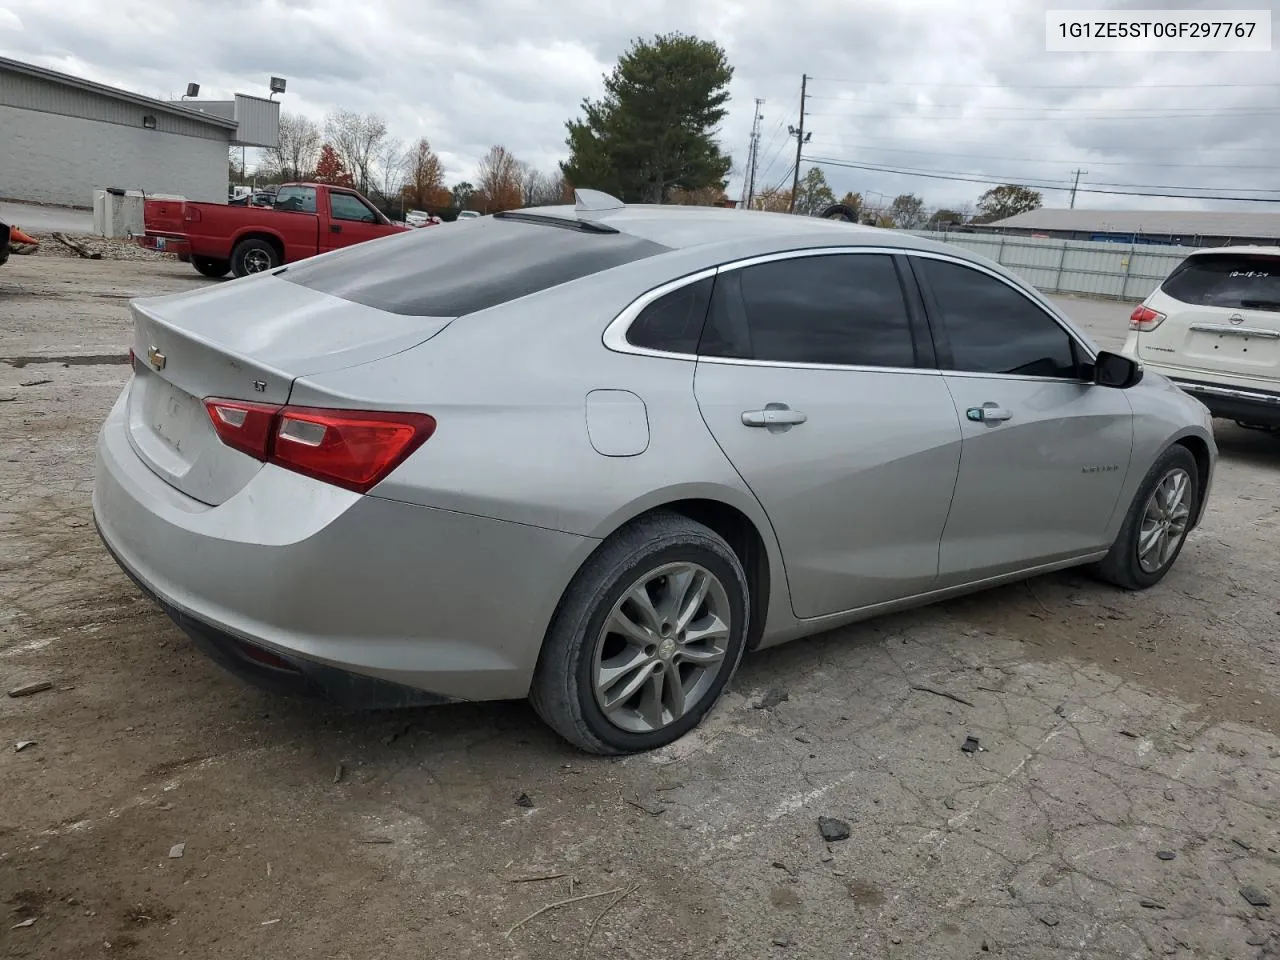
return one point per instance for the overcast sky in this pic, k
(957, 87)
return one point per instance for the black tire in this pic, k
(209, 267)
(254, 256)
(1121, 566)
(840, 211)
(563, 685)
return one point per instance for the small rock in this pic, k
(970, 745)
(26, 690)
(1151, 904)
(1256, 940)
(834, 830)
(783, 940)
(895, 940)
(1129, 733)
(949, 803)
(1060, 710)
(827, 858)
(801, 738)
(177, 850)
(986, 947)
(1168, 794)
(338, 771)
(1049, 921)
(24, 923)
(524, 800)
(773, 696)
(1255, 897)
(1165, 854)
(34, 383)
(22, 745)
(1241, 844)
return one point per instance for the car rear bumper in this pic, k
(161, 243)
(1256, 407)
(357, 595)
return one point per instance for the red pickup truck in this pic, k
(307, 219)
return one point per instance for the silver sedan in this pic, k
(591, 454)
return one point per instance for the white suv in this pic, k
(1213, 328)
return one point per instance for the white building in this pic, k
(62, 137)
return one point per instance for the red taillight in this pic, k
(1144, 319)
(354, 449)
(246, 427)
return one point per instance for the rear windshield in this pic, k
(450, 271)
(1231, 280)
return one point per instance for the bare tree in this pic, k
(500, 186)
(357, 139)
(392, 162)
(540, 189)
(295, 157)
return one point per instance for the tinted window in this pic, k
(345, 206)
(449, 271)
(673, 323)
(993, 328)
(1227, 280)
(298, 199)
(840, 309)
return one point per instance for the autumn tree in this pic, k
(907, 211)
(655, 128)
(331, 169)
(773, 201)
(500, 186)
(814, 193)
(702, 197)
(424, 178)
(943, 217)
(357, 139)
(1007, 200)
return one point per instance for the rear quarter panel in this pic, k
(221, 227)
(508, 388)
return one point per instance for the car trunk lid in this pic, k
(244, 340)
(1223, 316)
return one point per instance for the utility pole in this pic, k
(801, 140)
(754, 154)
(1074, 186)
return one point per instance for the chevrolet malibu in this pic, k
(592, 454)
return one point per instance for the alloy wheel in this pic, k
(1165, 521)
(662, 647)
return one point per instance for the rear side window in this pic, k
(451, 271)
(296, 199)
(838, 309)
(673, 323)
(1227, 280)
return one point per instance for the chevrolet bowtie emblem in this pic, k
(155, 358)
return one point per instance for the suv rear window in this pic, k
(450, 271)
(1232, 280)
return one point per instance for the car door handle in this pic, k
(774, 415)
(335, 228)
(988, 413)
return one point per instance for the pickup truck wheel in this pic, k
(253, 256)
(210, 267)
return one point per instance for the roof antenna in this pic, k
(595, 201)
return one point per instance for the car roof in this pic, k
(681, 227)
(1255, 249)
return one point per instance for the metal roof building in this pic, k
(1190, 228)
(62, 136)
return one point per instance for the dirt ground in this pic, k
(1126, 791)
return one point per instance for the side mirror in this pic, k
(1114, 370)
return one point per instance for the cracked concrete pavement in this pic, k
(1113, 727)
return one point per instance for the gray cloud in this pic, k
(933, 85)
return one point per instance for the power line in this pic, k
(862, 144)
(1029, 119)
(987, 143)
(1045, 86)
(979, 178)
(773, 158)
(1173, 111)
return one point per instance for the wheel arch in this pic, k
(740, 521)
(1199, 449)
(257, 233)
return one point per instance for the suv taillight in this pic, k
(354, 449)
(1144, 319)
